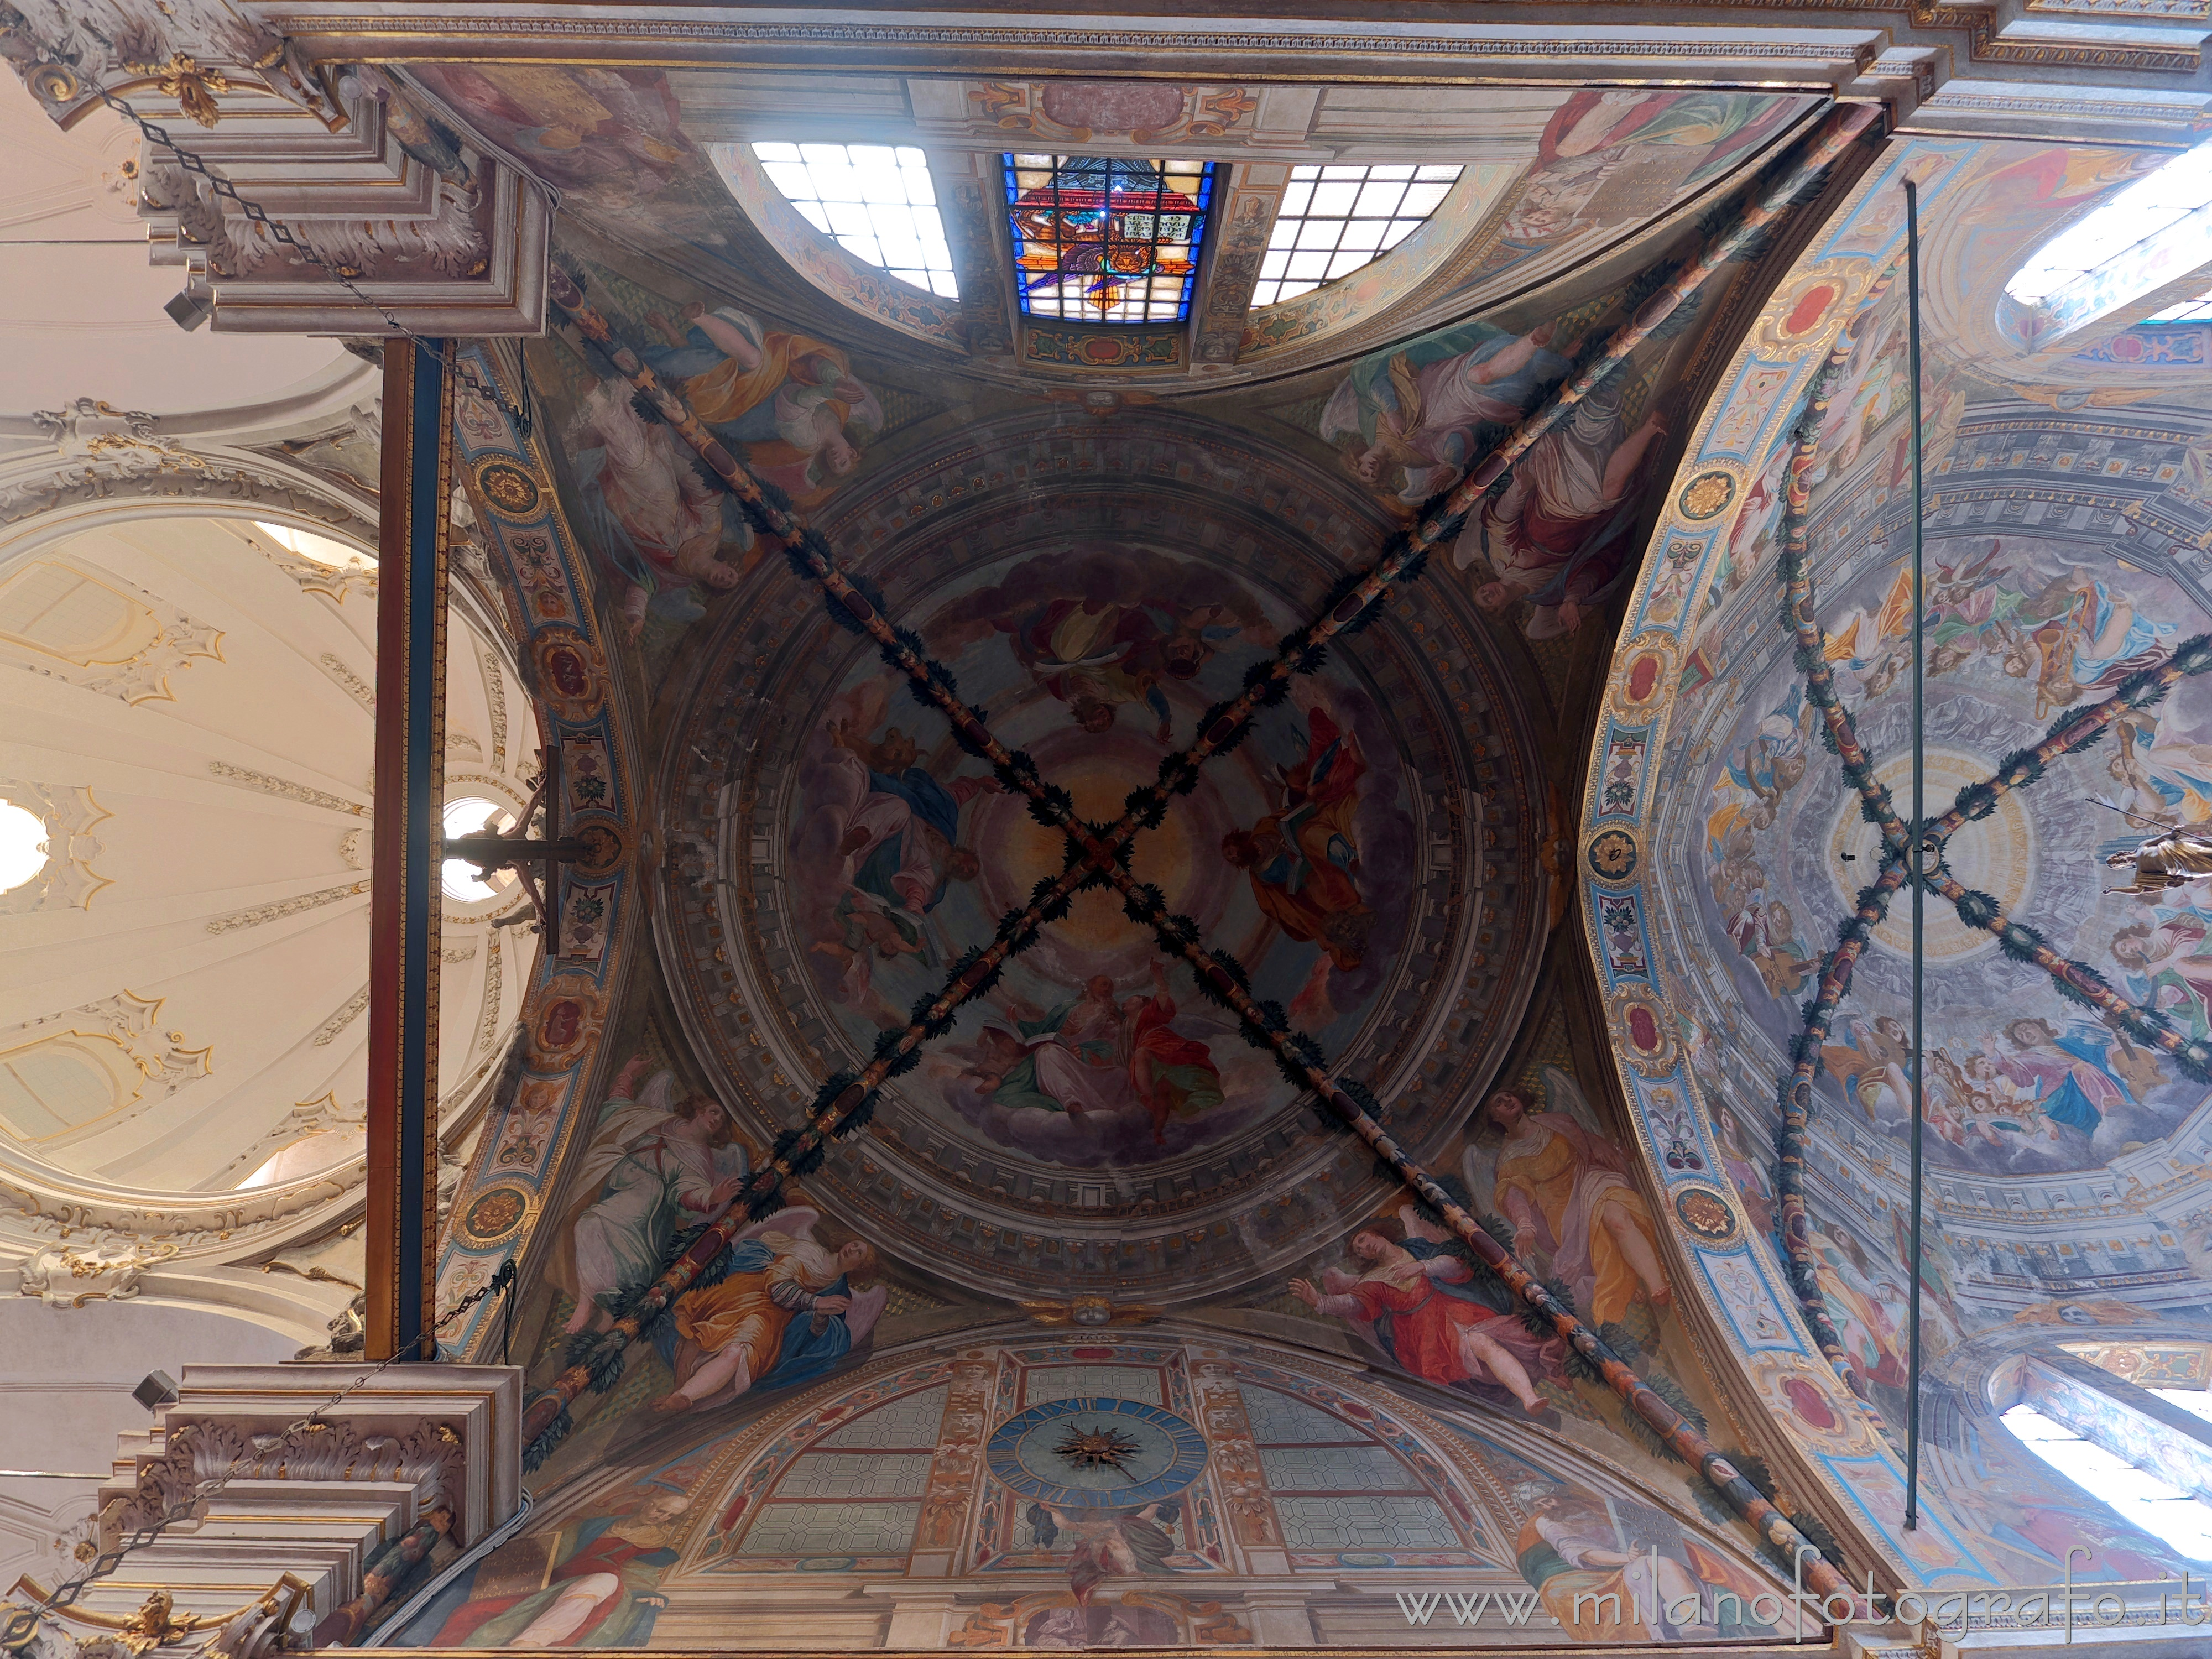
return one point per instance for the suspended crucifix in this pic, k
(536, 862)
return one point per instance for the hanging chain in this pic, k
(22, 1622)
(278, 231)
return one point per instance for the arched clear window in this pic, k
(877, 200)
(2158, 228)
(1334, 220)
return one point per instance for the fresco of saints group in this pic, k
(1293, 852)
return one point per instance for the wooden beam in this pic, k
(404, 897)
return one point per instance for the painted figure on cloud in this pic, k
(657, 1164)
(898, 850)
(1555, 536)
(1564, 1187)
(1096, 656)
(1433, 1311)
(780, 1308)
(875, 847)
(1100, 1054)
(787, 403)
(1407, 422)
(1303, 858)
(659, 527)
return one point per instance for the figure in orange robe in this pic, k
(1303, 859)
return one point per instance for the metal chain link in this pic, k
(278, 231)
(22, 1624)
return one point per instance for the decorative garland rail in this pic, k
(1098, 856)
(2073, 731)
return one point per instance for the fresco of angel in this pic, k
(1562, 1185)
(1407, 422)
(656, 1165)
(776, 1309)
(1303, 858)
(789, 404)
(1108, 1543)
(1557, 534)
(1436, 1315)
(661, 528)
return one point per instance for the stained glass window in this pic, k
(1335, 219)
(1107, 240)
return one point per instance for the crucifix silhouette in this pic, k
(536, 862)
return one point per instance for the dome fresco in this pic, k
(1741, 877)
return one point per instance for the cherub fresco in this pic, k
(1563, 1186)
(1873, 1060)
(1098, 1054)
(656, 1165)
(1761, 771)
(778, 1308)
(1407, 422)
(788, 404)
(1436, 1314)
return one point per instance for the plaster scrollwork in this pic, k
(96, 453)
(427, 1456)
(40, 1205)
(68, 882)
(106, 1269)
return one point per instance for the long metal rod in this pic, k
(1919, 856)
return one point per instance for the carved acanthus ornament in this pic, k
(454, 240)
(102, 454)
(68, 881)
(106, 1269)
(337, 1463)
